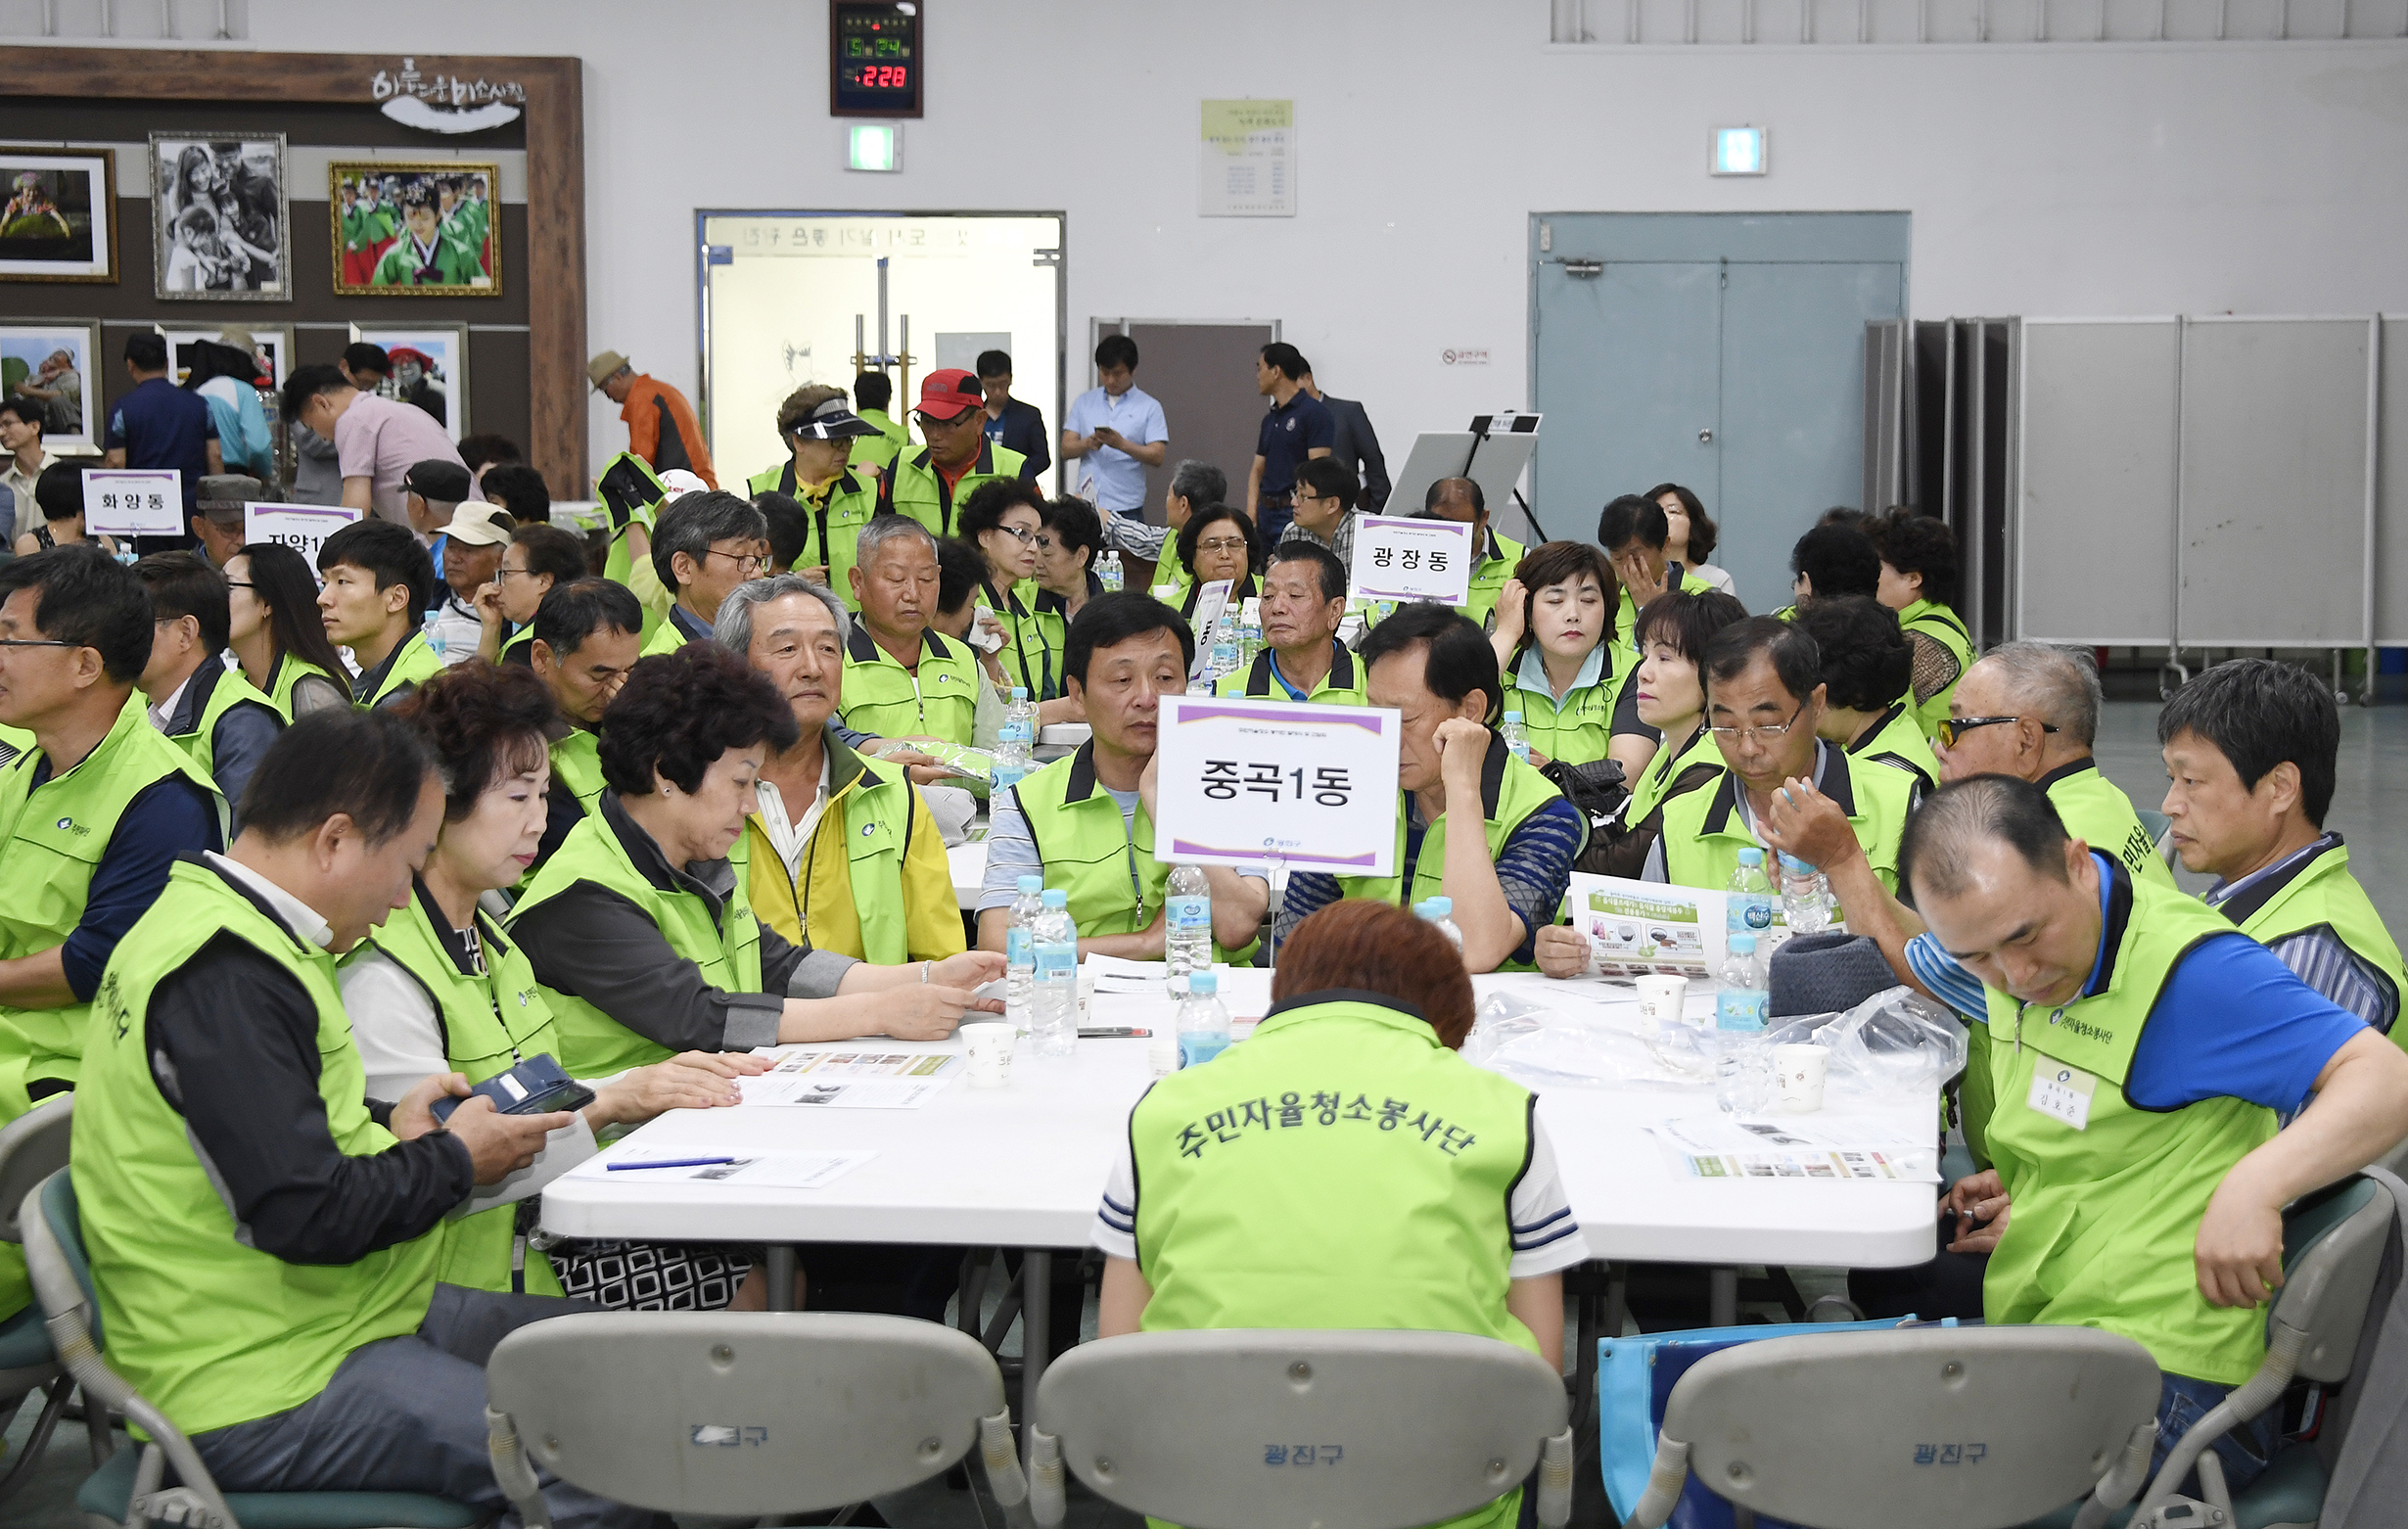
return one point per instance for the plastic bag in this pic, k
(1513, 1035)
(1896, 1044)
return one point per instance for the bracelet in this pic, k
(923, 974)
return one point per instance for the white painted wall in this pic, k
(2049, 179)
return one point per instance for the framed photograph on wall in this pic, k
(424, 230)
(430, 368)
(271, 346)
(60, 221)
(220, 224)
(51, 361)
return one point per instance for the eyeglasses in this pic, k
(1222, 544)
(1953, 728)
(528, 572)
(1761, 734)
(240, 584)
(35, 642)
(746, 562)
(1026, 537)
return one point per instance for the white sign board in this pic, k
(1248, 159)
(121, 501)
(304, 528)
(1210, 602)
(1237, 776)
(1397, 557)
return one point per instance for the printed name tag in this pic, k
(2063, 1092)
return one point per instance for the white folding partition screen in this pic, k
(2390, 560)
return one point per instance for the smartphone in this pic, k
(534, 1087)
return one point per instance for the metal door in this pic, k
(1201, 371)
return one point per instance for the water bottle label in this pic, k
(1521, 749)
(1019, 948)
(1057, 963)
(1740, 1008)
(1748, 915)
(1188, 916)
(1194, 1051)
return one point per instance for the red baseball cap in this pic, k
(950, 394)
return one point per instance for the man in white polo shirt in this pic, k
(1115, 432)
(377, 440)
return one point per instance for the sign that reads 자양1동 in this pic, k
(125, 501)
(1400, 558)
(304, 528)
(1237, 777)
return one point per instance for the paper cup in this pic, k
(989, 1045)
(1087, 994)
(1798, 1072)
(1662, 999)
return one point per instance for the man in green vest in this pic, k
(2143, 1052)
(212, 712)
(1866, 663)
(930, 482)
(1304, 598)
(263, 1237)
(379, 587)
(705, 544)
(1505, 869)
(586, 639)
(1635, 535)
(837, 499)
(901, 680)
(872, 392)
(2250, 747)
(1086, 824)
(1492, 557)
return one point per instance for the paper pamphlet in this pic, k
(1638, 927)
(1818, 1146)
(851, 1080)
(758, 1170)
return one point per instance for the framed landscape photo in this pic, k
(60, 220)
(424, 230)
(220, 224)
(430, 368)
(50, 362)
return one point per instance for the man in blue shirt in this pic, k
(1296, 430)
(1011, 424)
(157, 426)
(1119, 431)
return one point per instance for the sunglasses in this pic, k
(1952, 729)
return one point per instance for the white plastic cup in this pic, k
(1663, 999)
(1087, 994)
(989, 1045)
(1798, 1072)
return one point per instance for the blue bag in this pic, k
(1635, 1376)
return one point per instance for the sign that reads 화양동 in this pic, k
(121, 501)
(1400, 558)
(304, 528)
(1237, 777)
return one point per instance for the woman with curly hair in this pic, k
(1919, 581)
(639, 928)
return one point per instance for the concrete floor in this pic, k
(2370, 802)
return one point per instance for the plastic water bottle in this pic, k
(1016, 738)
(1110, 573)
(1225, 646)
(432, 633)
(1805, 904)
(1749, 911)
(1054, 1011)
(1742, 1078)
(1249, 631)
(1203, 1024)
(1516, 737)
(1441, 912)
(1186, 926)
(1020, 953)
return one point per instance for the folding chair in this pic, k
(32, 1147)
(743, 1412)
(1306, 1429)
(2333, 1244)
(130, 1489)
(1971, 1427)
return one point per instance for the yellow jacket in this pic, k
(875, 882)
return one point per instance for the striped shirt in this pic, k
(2318, 957)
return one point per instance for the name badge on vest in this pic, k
(2064, 1093)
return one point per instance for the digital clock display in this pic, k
(875, 57)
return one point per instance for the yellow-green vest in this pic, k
(1945, 628)
(1896, 741)
(618, 562)
(1104, 860)
(877, 452)
(228, 689)
(914, 488)
(2105, 1217)
(577, 767)
(1625, 611)
(727, 949)
(1032, 651)
(1488, 578)
(1237, 1226)
(1342, 685)
(1578, 729)
(290, 672)
(832, 526)
(2324, 895)
(884, 699)
(1703, 835)
(211, 1331)
(1649, 790)
(2095, 811)
(670, 635)
(413, 663)
(1050, 616)
(51, 841)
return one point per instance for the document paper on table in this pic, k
(1821, 1146)
(758, 1170)
(853, 1080)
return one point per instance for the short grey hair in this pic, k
(1200, 482)
(732, 630)
(883, 528)
(2059, 686)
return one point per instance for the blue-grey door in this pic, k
(1721, 352)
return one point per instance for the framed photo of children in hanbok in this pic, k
(422, 230)
(220, 221)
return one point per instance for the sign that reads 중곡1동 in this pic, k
(304, 528)
(1235, 778)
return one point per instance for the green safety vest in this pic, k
(211, 1331)
(669, 636)
(1488, 577)
(1237, 1225)
(618, 562)
(727, 949)
(1625, 611)
(1648, 791)
(2106, 1215)
(1032, 651)
(1895, 740)
(1703, 835)
(876, 452)
(1104, 860)
(1577, 729)
(413, 663)
(885, 700)
(2101, 816)
(228, 689)
(836, 521)
(1342, 685)
(1049, 619)
(51, 839)
(1171, 582)
(1510, 791)
(1943, 627)
(490, 1024)
(524, 637)
(915, 488)
(290, 672)
(576, 765)
(2324, 895)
